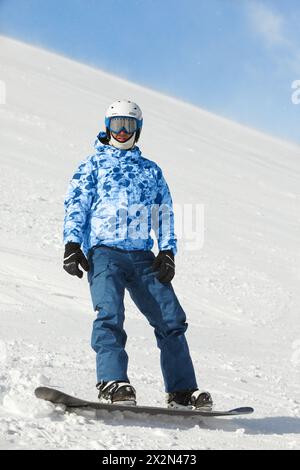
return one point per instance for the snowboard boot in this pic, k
(190, 399)
(116, 393)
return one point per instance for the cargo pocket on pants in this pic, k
(98, 281)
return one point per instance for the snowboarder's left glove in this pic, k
(165, 265)
(72, 258)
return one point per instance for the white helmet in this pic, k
(132, 121)
(124, 108)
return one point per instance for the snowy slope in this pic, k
(240, 291)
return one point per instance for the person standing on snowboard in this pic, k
(109, 210)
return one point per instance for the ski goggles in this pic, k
(119, 123)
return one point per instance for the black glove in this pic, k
(165, 265)
(72, 258)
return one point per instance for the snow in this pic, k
(240, 291)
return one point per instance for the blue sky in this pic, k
(237, 58)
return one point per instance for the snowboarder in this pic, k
(109, 211)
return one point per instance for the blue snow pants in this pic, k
(111, 272)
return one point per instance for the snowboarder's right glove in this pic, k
(165, 265)
(72, 258)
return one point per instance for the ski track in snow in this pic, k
(240, 291)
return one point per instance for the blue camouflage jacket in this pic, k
(115, 198)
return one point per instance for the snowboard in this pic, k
(72, 403)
